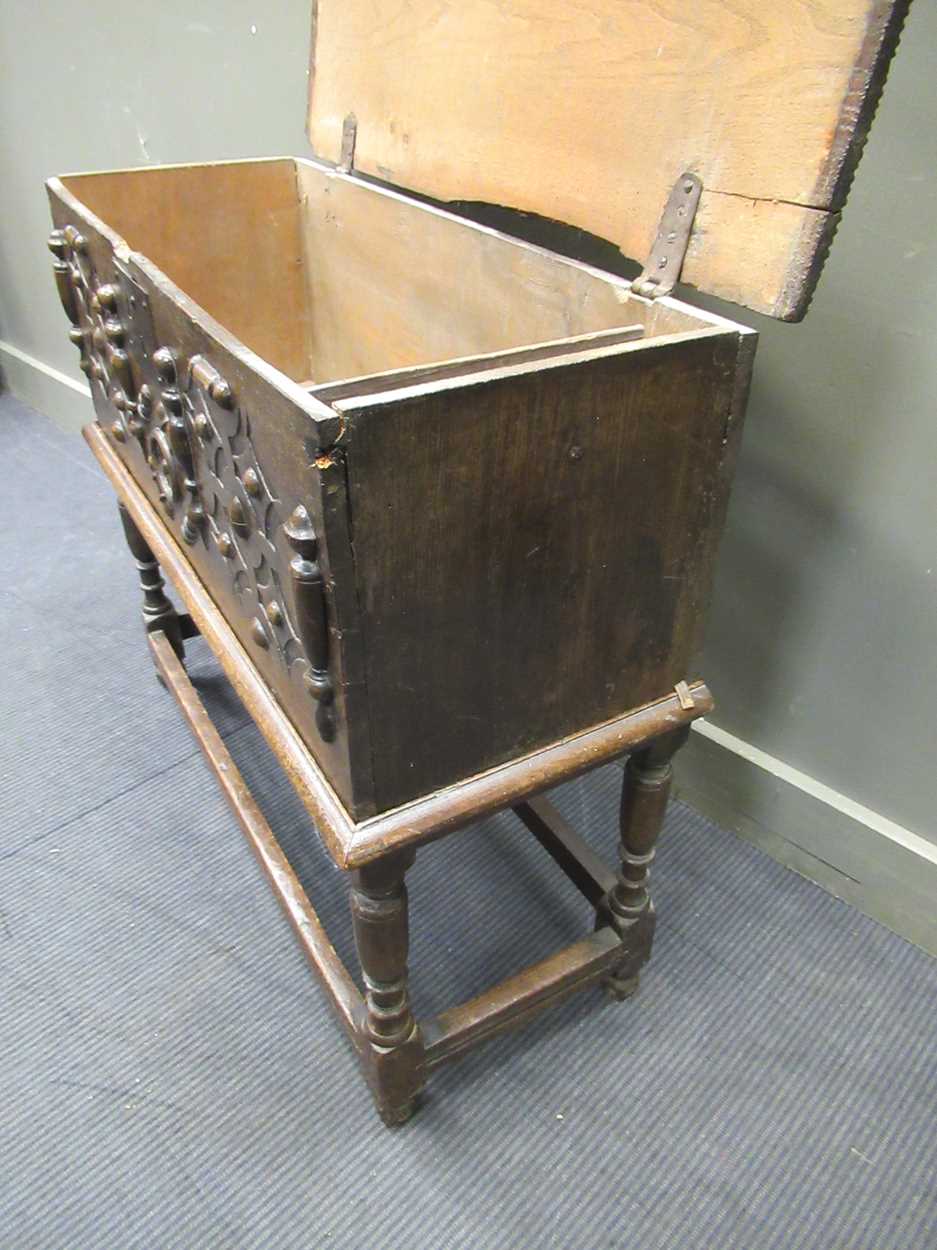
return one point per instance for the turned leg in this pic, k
(627, 906)
(392, 1049)
(158, 612)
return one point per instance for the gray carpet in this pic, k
(172, 1077)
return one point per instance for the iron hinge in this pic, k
(346, 163)
(662, 271)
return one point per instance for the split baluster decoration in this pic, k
(311, 615)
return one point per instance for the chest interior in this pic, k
(335, 281)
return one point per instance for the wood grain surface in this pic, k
(533, 548)
(588, 112)
(353, 844)
(394, 283)
(227, 234)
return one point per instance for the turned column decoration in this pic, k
(393, 1059)
(644, 795)
(627, 907)
(380, 915)
(158, 612)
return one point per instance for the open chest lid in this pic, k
(588, 113)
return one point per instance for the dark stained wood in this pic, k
(354, 844)
(521, 997)
(187, 627)
(394, 1051)
(346, 644)
(457, 806)
(158, 612)
(644, 795)
(627, 907)
(443, 504)
(587, 870)
(394, 1057)
(335, 826)
(306, 926)
(533, 550)
(391, 1045)
(312, 615)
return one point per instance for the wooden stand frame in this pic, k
(396, 1052)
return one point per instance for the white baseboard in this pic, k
(45, 388)
(885, 870)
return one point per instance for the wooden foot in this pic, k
(392, 1047)
(158, 612)
(621, 988)
(627, 907)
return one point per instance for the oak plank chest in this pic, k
(444, 503)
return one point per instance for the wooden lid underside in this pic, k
(587, 113)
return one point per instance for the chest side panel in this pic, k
(534, 554)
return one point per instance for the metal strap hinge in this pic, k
(662, 271)
(346, 162)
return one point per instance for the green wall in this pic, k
(105, 86)
(823, 638)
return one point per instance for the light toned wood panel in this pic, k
(462, 366)
(758, 253)
(393, 283)
(227, 234)
(588, 112)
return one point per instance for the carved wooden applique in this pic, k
(309, 596)
(244, 521)
(196, 442)
(97, 330)
(164, 433)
